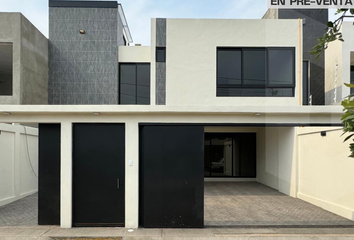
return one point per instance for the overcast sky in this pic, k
(139, 12)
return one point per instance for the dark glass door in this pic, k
(98, 174)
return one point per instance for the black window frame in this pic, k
(158, 49)
(136, 83)
(258, 86)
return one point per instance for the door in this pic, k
(172, 176)
(98, 174)
(49, 175)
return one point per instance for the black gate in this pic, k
(98, 174)
(172, 177)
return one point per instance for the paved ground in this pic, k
(50, 233)
(254, 204)
(23, 212)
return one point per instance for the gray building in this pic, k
(314, 26)
(83, 51)
(23, 61)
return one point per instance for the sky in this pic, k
(139, 12)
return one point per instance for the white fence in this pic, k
(18, 162)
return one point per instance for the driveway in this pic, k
(254, 204)
(22, 212)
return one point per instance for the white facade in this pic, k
(339, 58)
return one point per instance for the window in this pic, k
(160, 54)
(305, 82)
(134, 83)
(230, 155)
(6, 62)
(255, 72)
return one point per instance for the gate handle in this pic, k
(118, 183)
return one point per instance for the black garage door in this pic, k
(172, 177)
(98, 174)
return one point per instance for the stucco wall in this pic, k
(16, 177)
(325, 171)
(191, 57)
(10, 32)
(34, 64)
(132, 54)
(333, 57)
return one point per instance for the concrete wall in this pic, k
(34, 64)
(191, 57)
(325, 171)
(16, 177)
(83, 68)
(30, 60)
(10, 32)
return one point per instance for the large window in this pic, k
(134, 83)
(255, 72)
(230, 155)
(6, 59)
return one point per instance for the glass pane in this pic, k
(255, 92)
(221, 157)
(161, 54)
(247, 154)
(281, 67)
(254, 67)
(305, 83)
(128, 74)
(207, 157)
(229, 66)
(143, 95)
(351, 78)
(143, 74)
(6, 69)
(127, 94)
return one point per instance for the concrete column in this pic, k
(17, 163)
(66, 175)
(132, 174)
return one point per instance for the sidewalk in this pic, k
(56, 233)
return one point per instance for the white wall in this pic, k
(326, 173)
(191, 57)
(277, 159)
(16, 177)
(133, 54)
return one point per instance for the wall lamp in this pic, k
(82, 31)
(323, 133)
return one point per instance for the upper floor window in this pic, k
(134, 84)
(255, 72)
(160, 54)
(6, 62)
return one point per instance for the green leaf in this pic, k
(330, 24)
(349, 85)
(347, 138)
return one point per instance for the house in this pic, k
(339, 66)
(135, 136)
(24, 62)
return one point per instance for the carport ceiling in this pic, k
(6, 58)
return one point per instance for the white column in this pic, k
(132, 174)
(66, 175)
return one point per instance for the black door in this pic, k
(172, 176)
(98, 174)
(49, 175)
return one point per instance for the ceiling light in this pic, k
(130, 230)
(257, 114)
(6, 113)
(96, 113)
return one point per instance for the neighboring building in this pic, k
(23, 62)
(314, 26)
(210, 100)
(84, 37)
(340, 66)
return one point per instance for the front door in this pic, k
(98, 174)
